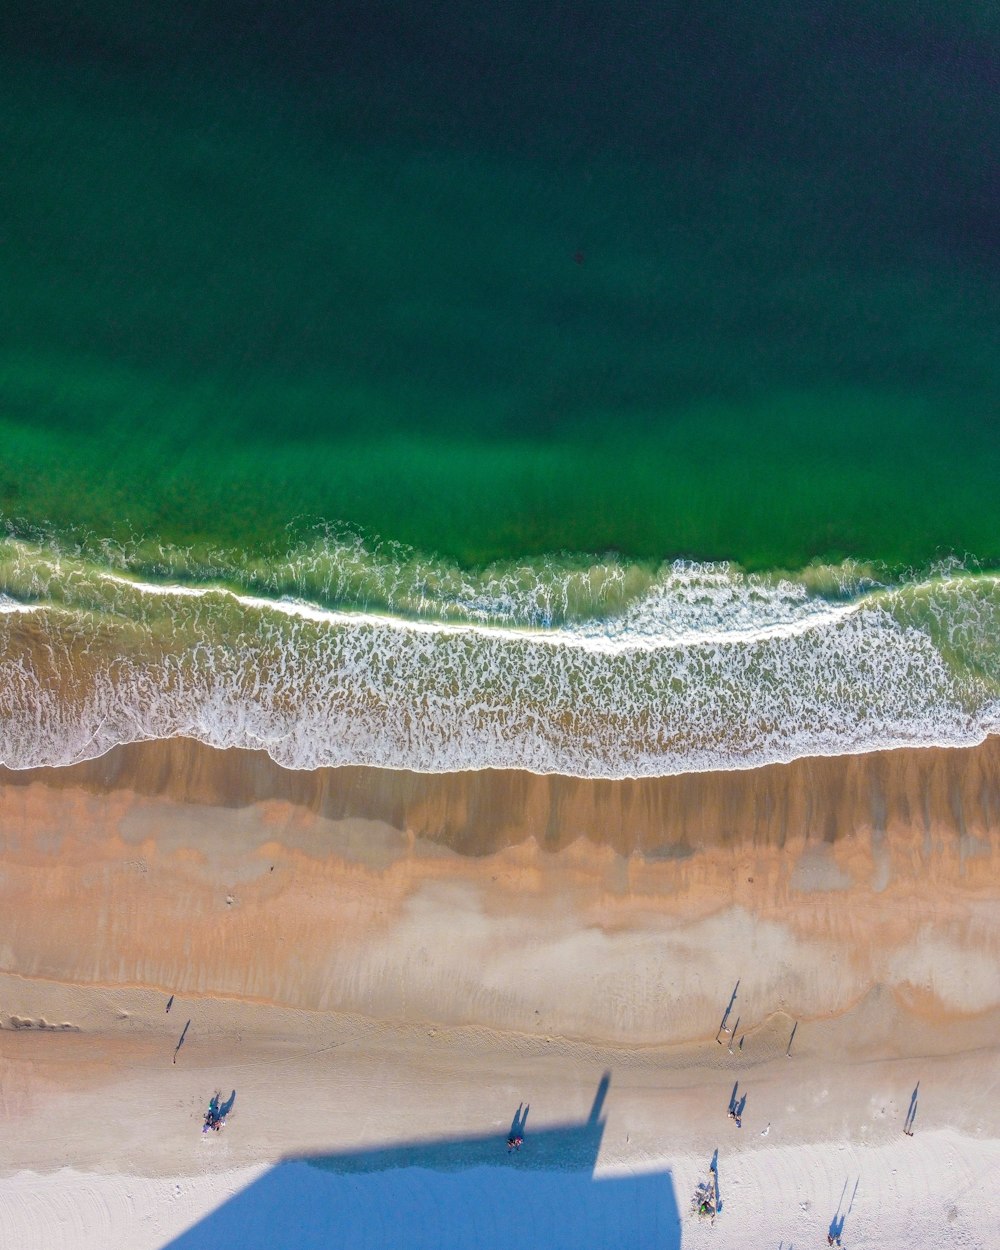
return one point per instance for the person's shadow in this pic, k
(518, 1123)
(911, 1115)
(227, 1106)
(713, 1167)
(837, 1223)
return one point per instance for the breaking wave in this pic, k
(347, 652)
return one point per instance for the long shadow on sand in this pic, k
(451, 1194)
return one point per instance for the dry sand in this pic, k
(374, 958)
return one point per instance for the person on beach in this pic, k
(213, 1116)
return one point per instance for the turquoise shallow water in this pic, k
(482, 322)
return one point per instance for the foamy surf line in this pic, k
(706, 668)
(683, 602)
(613, 639)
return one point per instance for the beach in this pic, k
(379, 960)
(499, 626)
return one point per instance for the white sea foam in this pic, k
(704, 668)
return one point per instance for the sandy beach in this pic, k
(385, 965)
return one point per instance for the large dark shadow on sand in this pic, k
(452, 1193)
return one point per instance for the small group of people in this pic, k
(214, 1119)
(516, 1136)
(704, 1198)
(215, 1116)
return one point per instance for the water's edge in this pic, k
(599, 668)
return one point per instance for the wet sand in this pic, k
(931, 793)
(618, 911)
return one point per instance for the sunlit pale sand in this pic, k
(385, 966)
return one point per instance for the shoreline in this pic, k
(954, 791)
(406, 896)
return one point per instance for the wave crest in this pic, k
(639, 672)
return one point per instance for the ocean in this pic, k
(609, 392)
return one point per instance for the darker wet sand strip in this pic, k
(931, 794)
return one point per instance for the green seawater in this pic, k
(713, 286)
